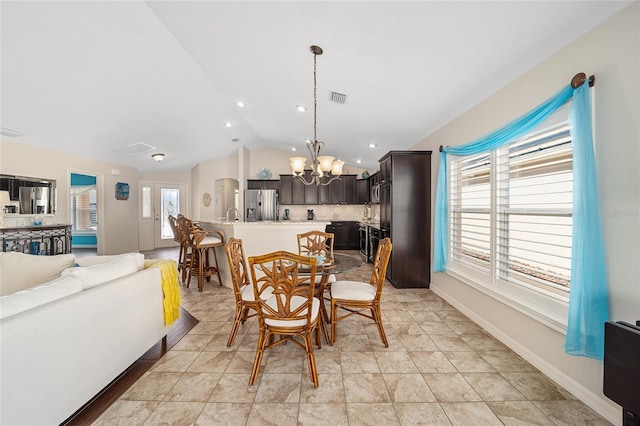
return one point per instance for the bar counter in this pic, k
(260, 238)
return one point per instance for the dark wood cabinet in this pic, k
(263, 184)
(385, 169)
(284, 194)
(349, 194)
(362, 191)
(405, 216)
(293, 191)
(345, 235)
(324, 193)
(310, 191)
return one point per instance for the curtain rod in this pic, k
(577, 81)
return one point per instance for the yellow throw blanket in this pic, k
(170, 287)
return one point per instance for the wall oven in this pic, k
(363, 231)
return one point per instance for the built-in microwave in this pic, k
(375, 194)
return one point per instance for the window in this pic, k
(511, 217)
(146, 202)
(84, 217)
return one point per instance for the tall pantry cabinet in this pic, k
(405, 216)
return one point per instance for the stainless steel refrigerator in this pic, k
(34, 200)
(260, 204)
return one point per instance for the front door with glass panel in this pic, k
(168, 200)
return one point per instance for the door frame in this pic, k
(100, 242)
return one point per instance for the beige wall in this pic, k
(203, 177)
(611, 52)
(119, 232)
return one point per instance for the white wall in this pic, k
(119, 224)
(611, 52)
(203, 178)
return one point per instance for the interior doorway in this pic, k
(85, 211)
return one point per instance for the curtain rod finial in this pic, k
(578, 80)
(441, 148)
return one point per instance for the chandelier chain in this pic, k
(321, 172)
(315, 97)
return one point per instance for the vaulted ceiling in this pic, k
(101, 79)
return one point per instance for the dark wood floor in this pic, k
(94, 408)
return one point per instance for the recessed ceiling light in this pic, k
(373, 145)
(158, 157)
(240, 104)
(359, 161)
(293, 149)
(301, 108)
(227, 124)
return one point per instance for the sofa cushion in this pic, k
(100, 273)
(39, 295)
(19, 271)
(96, 260)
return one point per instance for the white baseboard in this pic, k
(605, 408)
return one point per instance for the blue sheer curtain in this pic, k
(589, 299)
(588, 303)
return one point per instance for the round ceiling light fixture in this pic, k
(158, 157)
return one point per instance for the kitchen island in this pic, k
(260, 238)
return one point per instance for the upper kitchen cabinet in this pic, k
(263, 184)
(350, 194)
(385, 169)
(362, 191)
(294, 191)
(340, 191)
(285, 195)
(405, 216)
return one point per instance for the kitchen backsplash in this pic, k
(331, 212)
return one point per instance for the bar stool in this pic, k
(200, 242)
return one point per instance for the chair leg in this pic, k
(311, 359)
(258, 359)
(375, 312)
(186, 262)
(201, 261)
(215, 258)
(334, 321)
(192, 265)
(240, 313)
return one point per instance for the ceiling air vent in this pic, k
(340, 98)
(10, 133)
(135, 148)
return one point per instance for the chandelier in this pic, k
(324, 169)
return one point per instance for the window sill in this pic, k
(546, 310)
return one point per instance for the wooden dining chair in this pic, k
(242, 288)
(319, 243)
(316, 243)
(286, 306)
(358, 297)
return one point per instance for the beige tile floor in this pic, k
(440, 369)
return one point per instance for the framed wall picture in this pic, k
(122, 191)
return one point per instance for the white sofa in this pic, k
(65, 340)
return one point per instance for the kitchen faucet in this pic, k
(237, 213)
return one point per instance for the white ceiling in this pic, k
(89, 77)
